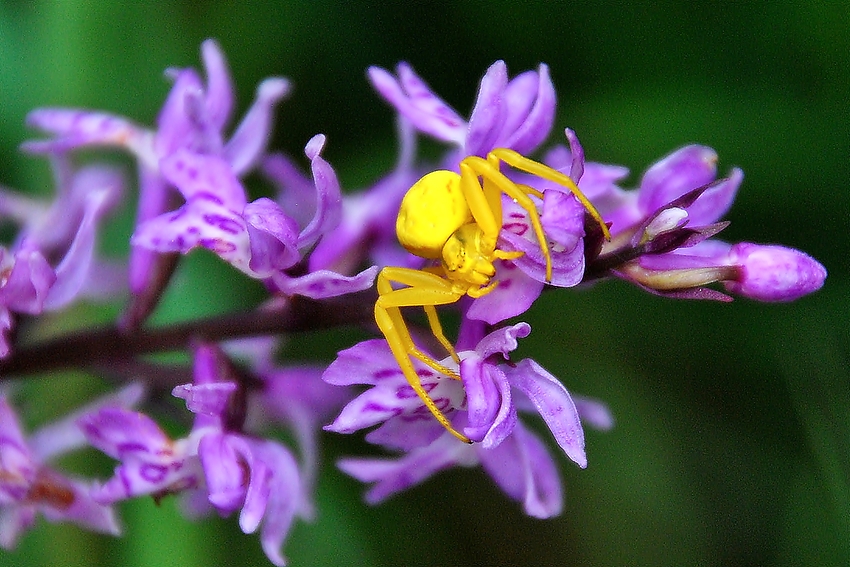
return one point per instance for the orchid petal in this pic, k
(328, 196)
(488, 113)
(322, 284)
(248, 143)
(537, 122)
(524, 470)
(414, 100)
(392, 476)
(554, 404)
(513, 295)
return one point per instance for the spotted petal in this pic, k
(554, 404)
(518, 234)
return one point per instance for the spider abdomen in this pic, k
(431, 211)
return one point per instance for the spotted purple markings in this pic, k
(153, 473)
(177, 215)
(407, 391)
(516, 228)
(6, 440)
(386, 373)
(442, 404)
(208, 196)
(124, 448)
(380, 408)
(217, 245)
(223, 223)
(125, 480)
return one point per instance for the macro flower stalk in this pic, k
(482, 235)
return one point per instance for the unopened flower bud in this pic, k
(774, 273)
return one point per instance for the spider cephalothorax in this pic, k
(456, 219)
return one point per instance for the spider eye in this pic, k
(454, 254)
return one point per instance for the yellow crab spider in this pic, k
(455, 218)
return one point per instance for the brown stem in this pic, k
(98, 347)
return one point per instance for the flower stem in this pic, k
(100, 346)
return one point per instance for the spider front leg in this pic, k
(485, 201)
(424, 290)
(519, 161)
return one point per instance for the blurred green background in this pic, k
(731, 443)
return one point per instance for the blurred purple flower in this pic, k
(192, 119)
(215, 467)
(150, 462)
(30, 284)
(257, 475)
(29, 486)
(298, 398)
(295, 397)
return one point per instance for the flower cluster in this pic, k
(556, 223)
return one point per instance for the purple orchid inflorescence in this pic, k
(662, 240)
(317, 251)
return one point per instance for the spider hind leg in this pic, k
(428, 293)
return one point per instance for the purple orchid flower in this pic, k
(484, 405)
(520, 281)
(256, 237)
(367, 225)
(151, 463)
(28, 485)
(259, 476)
(516, 114)
(31, 285)
(192, 119)
(214, 467)
(664, 230)
(669, 178)
(295, 397)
